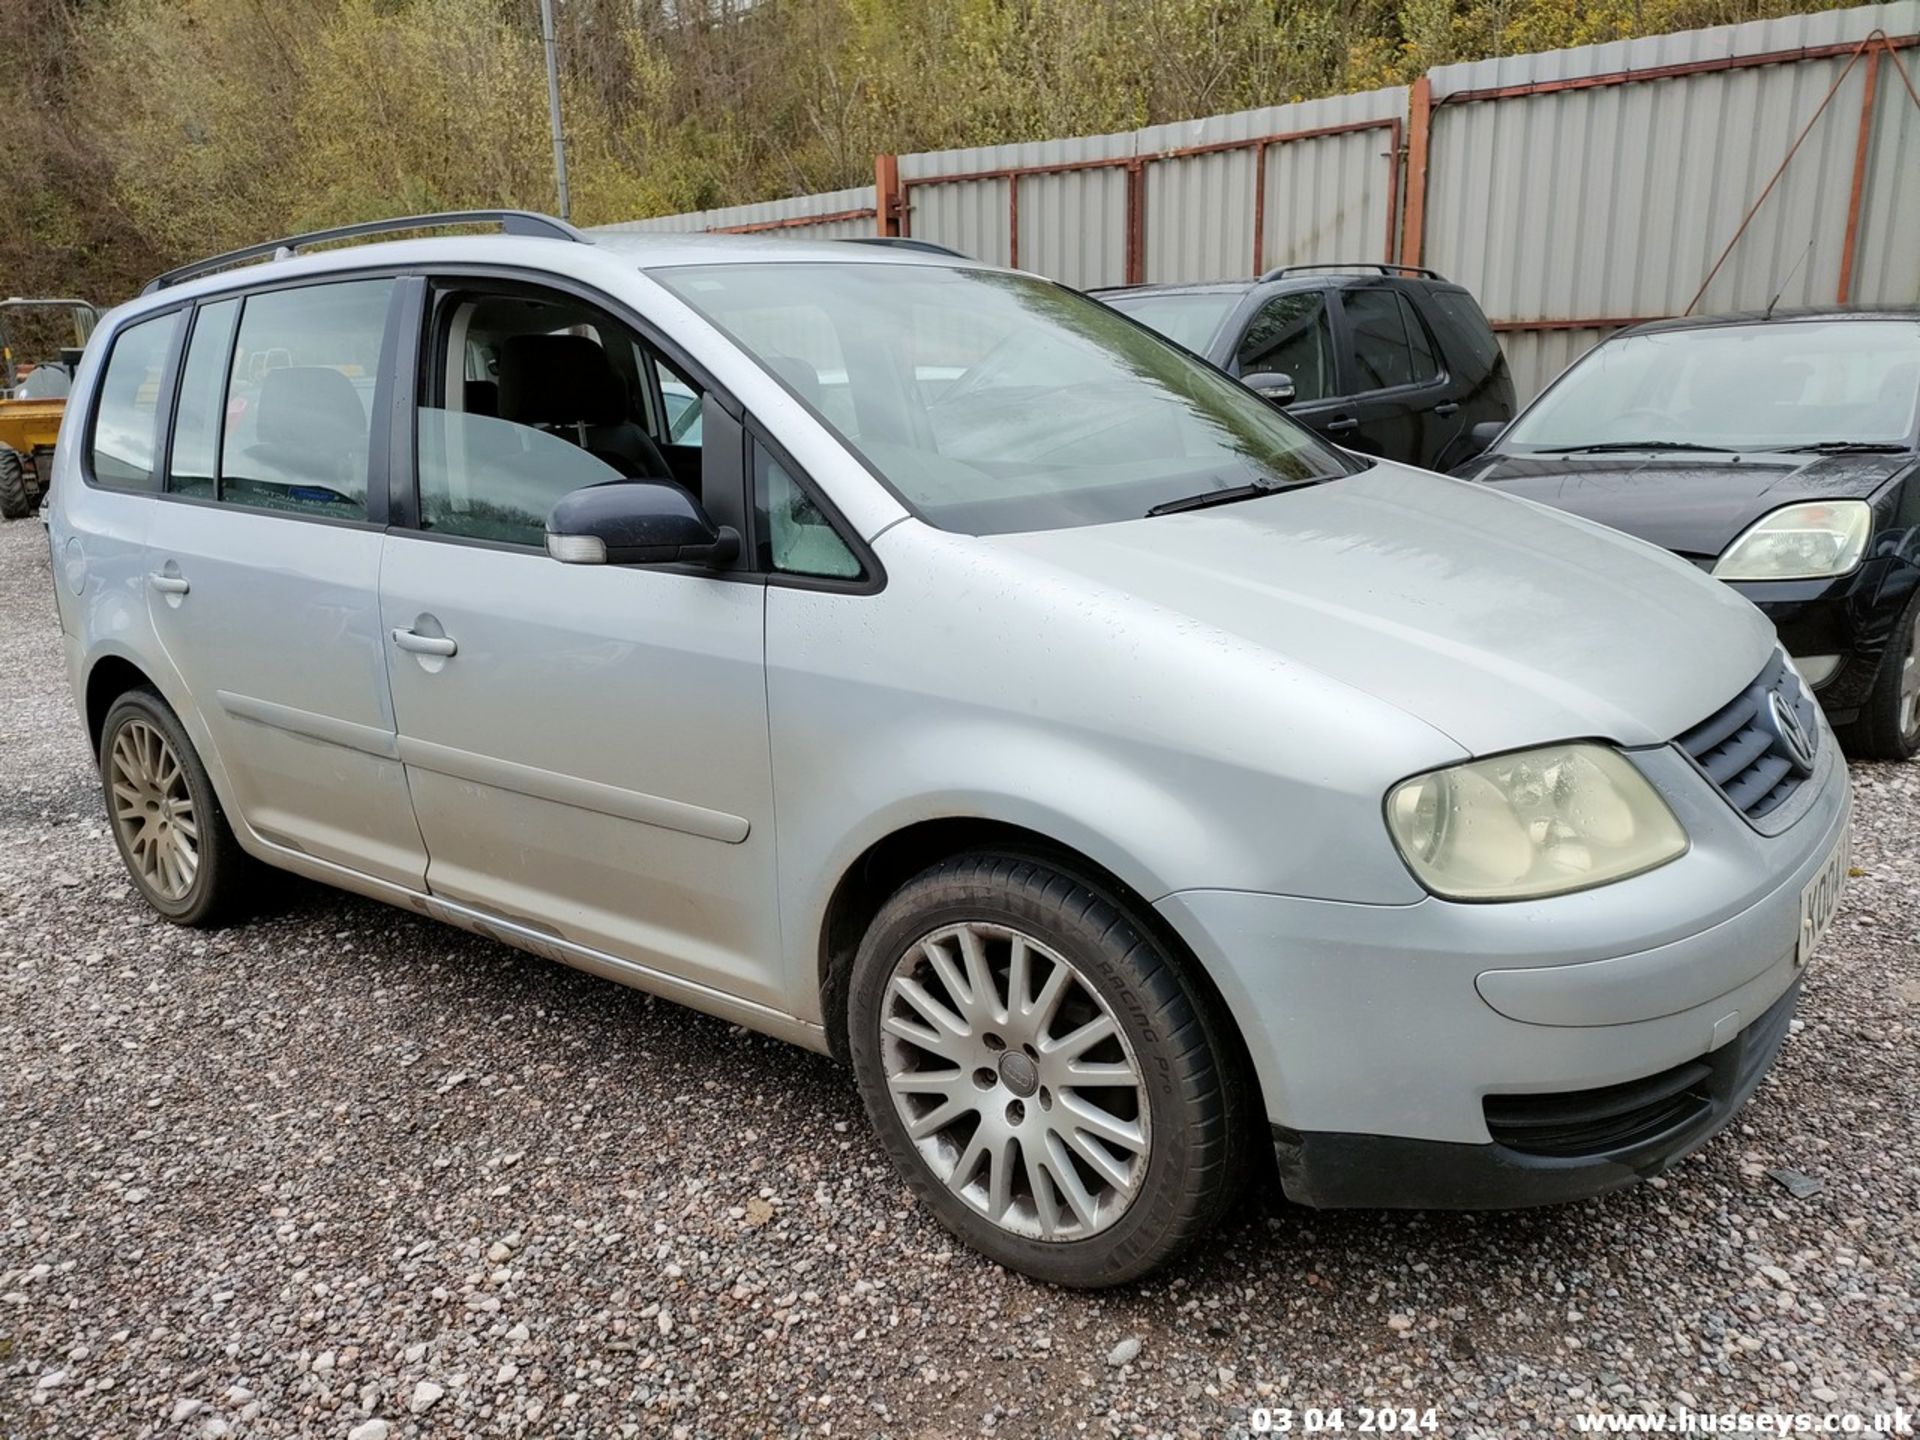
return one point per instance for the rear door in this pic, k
(1396, 393)
(262, 563)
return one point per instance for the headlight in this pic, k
(1537, 822)
(1800, 542)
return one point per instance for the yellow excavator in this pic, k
(33, 392)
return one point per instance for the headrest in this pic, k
(559, 380)
(311, 407)
(481, 397)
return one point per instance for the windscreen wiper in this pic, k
(1228, 494)
(1609, 445)
(1849, 447)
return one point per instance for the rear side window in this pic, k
(300, 399)
(1425, 366)
(1290, 337)
(1382, 352)
(193, 467)
(121, 453)
(1463, 316)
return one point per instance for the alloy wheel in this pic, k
(153, 810)
(1015, 1082)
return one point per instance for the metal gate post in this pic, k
(1419, 124)
(889, 203)
(1136, 222)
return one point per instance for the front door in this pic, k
(586, 744)
(262, 571)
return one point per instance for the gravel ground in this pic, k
(343, 1172)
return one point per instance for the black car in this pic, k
(1780, 452)
(1391, 360)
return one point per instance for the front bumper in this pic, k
(1852, 617)
(1392, 1043)
(1638, 1129)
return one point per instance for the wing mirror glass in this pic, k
(1271, 386)
(637, 522)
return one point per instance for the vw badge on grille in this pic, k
(1790, 733)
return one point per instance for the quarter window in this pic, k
(300, 399)
(1469, 325)
(1290, 337)
(796, 537)
(121, 453)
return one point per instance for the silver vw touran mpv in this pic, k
(923, 663)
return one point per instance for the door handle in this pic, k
(168, 584)
(413, 640)
(1340, 427)
(1447, 407)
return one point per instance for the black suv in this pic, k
(1391, 360)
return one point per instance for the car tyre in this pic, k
(166, 819)
(1888, 727)
(16, 503)
(1086, 1163)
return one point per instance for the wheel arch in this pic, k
(110, 677)
(896, 857)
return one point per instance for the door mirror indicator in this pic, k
(637, 522)
(1480, 438)
(1271, 386)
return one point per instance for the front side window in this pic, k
(796, 537)
(1737, 387)
(994, 402)
(1290, 337)
(121, 453)
(300, 399)
(528, 397)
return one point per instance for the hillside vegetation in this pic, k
(136, 133)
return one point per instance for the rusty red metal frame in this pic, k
(1873, 47)
(1419, 131)
(792, 222)
(1135, 168)
(892, 210)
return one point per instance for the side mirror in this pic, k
(637, 522)
(1480, 438)
(1271, 386)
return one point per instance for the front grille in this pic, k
(1741, 749)
(1593, 1122)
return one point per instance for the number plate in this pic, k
(1821, 899)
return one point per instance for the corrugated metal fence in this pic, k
(1572, 191)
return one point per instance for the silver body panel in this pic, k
(663, 777)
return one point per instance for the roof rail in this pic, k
(511, 222)
(904, 242)
(1384, 267)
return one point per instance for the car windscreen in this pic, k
(1769, 385)
(992, 402)
(1187, 317)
